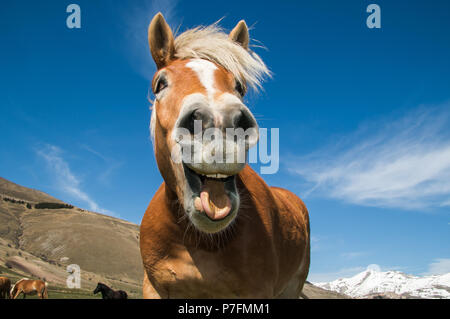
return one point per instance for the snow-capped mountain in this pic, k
(381, 282)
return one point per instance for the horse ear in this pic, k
(240, 34)
(160, 40)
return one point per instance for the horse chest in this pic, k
(202, 274)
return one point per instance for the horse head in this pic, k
(100, 287)
(201, 128)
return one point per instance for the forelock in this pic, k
(212, 43)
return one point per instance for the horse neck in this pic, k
(104, 291)
(171, 202)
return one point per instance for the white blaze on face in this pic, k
(205, 72)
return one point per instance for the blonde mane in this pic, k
(212, 43)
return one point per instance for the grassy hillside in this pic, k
(38, 243)
(10, 189)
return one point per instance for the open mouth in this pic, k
(215, 197)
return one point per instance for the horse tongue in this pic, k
(215, 201)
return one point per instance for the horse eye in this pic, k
(160, 85)
(240, 88)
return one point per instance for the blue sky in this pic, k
(363, 114)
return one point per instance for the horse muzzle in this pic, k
(212, 143)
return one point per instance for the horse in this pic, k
(30, 287)
(108, 293)
(5, 287)
(214, 229)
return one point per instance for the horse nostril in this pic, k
(197, 115)
(243, 119)
(189, 120)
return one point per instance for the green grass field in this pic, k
(54, 292)
(65, 293)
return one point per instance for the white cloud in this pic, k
(66, 180)
(110, 165)
(439, 266)
(403, 163)
(374, 267)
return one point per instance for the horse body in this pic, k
(215, 229)
(108, 293)
(30, 287)
(5, 287)
(266, 255)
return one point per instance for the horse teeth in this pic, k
(216, 176)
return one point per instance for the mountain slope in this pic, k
(372, 282)
(40, 243)
(314, 292)
(59, 235)
(12, 190)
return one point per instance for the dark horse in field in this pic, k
(108, 293)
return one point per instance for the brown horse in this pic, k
(215, 229)
(5, 287)
(30, 287)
